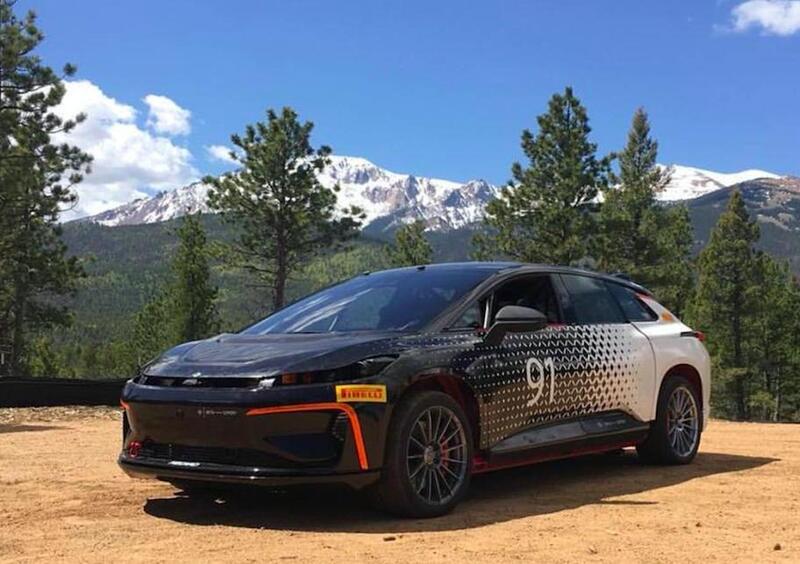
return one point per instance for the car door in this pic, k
(514, 381)
(610, 364)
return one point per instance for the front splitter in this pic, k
(163, 470)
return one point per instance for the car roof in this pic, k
(462, 266)
(506, 267)
(616, 278)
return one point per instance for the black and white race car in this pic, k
(409, 381)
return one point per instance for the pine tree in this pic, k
(674, 277)
(43, 360)
(192, 292)
(726, 299)
(283, 212)
(639, 236)
(787, 394)
(544, 214)
(153, 331)
(629, 209)
(410, 247)
(36, 177)
(181, 308)
(772, 349)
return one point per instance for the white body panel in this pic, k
(642, 358)
(672, 349)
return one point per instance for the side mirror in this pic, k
(514, 319)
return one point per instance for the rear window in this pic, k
(632, 306)
(590, 302)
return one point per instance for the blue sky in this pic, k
(445, 88)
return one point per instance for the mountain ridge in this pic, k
(389, 199)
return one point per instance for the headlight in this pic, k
(361, 369)
(266, 383)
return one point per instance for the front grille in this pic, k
(214, 455)
(189, 382)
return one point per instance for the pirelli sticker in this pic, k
(361, 393)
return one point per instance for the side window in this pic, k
(633, 308)
(529, 291)
(590, 301)
(472, 318)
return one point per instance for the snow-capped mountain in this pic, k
(188, 199)
(394, 197)
(687, 183)
(382, 195)
(389, 198)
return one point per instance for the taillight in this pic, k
(133, 448)
(699, 335)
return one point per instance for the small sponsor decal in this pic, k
(211, 412)
(183, 464)
(361, 393)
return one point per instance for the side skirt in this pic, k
(597, 433)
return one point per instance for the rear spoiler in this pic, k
(636, 286)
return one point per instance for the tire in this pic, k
(674, 439)
(425, 474)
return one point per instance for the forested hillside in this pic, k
(774, 203)
(125, 264)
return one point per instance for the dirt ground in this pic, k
(62, 498)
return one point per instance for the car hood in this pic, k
(241, 355)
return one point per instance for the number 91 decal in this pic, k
(537, 373)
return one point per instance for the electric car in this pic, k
(406, 382)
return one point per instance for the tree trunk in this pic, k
(278, 290)
(741, 403)
(18, 327)
(279, 284)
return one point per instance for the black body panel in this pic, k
(237, 356)
(578, 375)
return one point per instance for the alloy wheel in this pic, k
(683, 421)
(436, 455)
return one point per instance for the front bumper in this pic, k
(268, 437)
(221, 473)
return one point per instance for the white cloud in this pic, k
(773, 17)
(129, 161)
(165, 116)
(220, 153)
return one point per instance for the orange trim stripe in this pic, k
(355, 425)
(123, 404)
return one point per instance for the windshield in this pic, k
(394, 300)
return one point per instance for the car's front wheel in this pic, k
(675, 434)
(428, 459)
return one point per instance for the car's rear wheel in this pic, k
(675, 435)
(428, 459)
